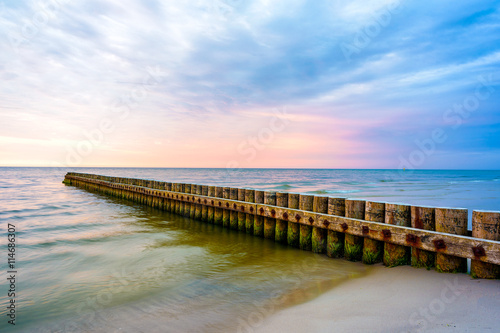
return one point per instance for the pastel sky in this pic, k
(265, 83)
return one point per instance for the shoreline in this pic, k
(399, 299)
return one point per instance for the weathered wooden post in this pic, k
(353, 246)
(269, 222)
(233, 195)
(451, 221)
(305, 242)
(177, 205)
(204, 207)
(485, 225)
(192, 212)
(293, 232)
(168, 187)
(373, 249)
(211, 208)
(396, 255)
(319, 235)
(226, 213)
(335, 240)
(241, 213)
(281, 225)
(249, 221)
(187, 205)
(258, 225)
(218, 211)
(422, 218)
(197, 214)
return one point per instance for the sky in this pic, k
(242, 84)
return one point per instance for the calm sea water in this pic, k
(90, 263)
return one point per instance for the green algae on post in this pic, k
(293, 232)
(353, 245)
(269, 222)
(373, 249)
(281, 225)
(258, 225)
(249, 221)
(422, 218)
(397, 255)
(305, 241)
(319, 235)
(241, 214)
(335, 240)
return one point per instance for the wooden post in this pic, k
(258, 225)
(197, 214)
(211, 209)
(353, 246)
(305, 241)
(204, 207)
(373, 249)
(241, 214)
(485, 225)
(451, 221)
(335, 240)
(219, 212)
(293, 232)
(192, 212)
(187, 205)
(177, 204)
(281, 225)
(233, 195)
(396, 255)
(422, 218)
(319, 235)
(269, 222)
(225, 213)
(168, 187)
(249, 221)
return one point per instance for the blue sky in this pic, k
(327, 84)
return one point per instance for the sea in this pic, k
(85, 262)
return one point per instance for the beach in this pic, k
(400, 299)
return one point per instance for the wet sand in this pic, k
(400, 299)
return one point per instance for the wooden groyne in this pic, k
(395, 234)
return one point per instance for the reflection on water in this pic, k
(88, 262)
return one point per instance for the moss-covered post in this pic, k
(188, 188)
(204, 207)
(269, 222)
(451, 221)
(485, 225)
(396, 255)
(192, 212)
(249, 221)
(226, 215)
(353, 245)
(198, 209)
(373, 249)
(233, 215)
(335, 240)
(218, 211)
(281, 225)
(319, 235)
(293, 232)
(422, 218)
(305, 241)
(241, 214)
(177, 204)
(168, 187)
(211, 208)
(258, 225)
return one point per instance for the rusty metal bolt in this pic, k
(411, 239)
(261, 210)
(205, 201)
(439, 244)
(297, 217)
(344, 226)
(235, 206)
(311, 220)
(273, 212)
(386, 233)
(251, 209)
(220, 204)
(285, 216)
(478, 251)
(227, 204)
(242, 208)
(365, 230)
(199, 200)
(182, 197)
(326, 223)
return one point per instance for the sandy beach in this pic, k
(400, 299)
